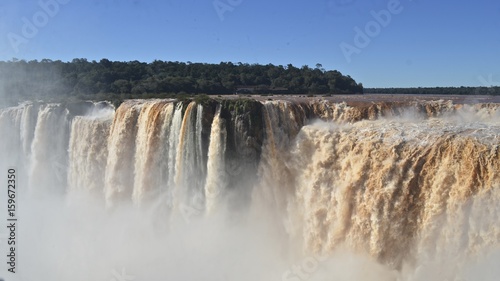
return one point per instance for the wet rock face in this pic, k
(80, 108)
(244, 141)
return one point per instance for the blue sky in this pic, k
(424, 43)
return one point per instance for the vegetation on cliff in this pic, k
(109, 80)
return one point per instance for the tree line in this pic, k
(436, 91)
(106, 79)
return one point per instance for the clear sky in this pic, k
(412, 43)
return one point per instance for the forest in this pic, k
(436, 91)
(109, 80)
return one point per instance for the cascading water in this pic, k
(88, 151)
(406, 191)
(216, 172)
(10, 120)
(189, 170)
(49, 157)
(152, 150)
(376, 186)
(119, 180)
(173, 143)
(28, 123)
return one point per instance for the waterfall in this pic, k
(88, 153)
(119, 179)
(283, 121)
(199, 144)
(378, 186)
(409, 187)
(216, 166)
(173, 143)
(152, 150)
(10, 120)
(28, 123)
(189, 170)
(49, 158)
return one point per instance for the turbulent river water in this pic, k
(253, 190)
